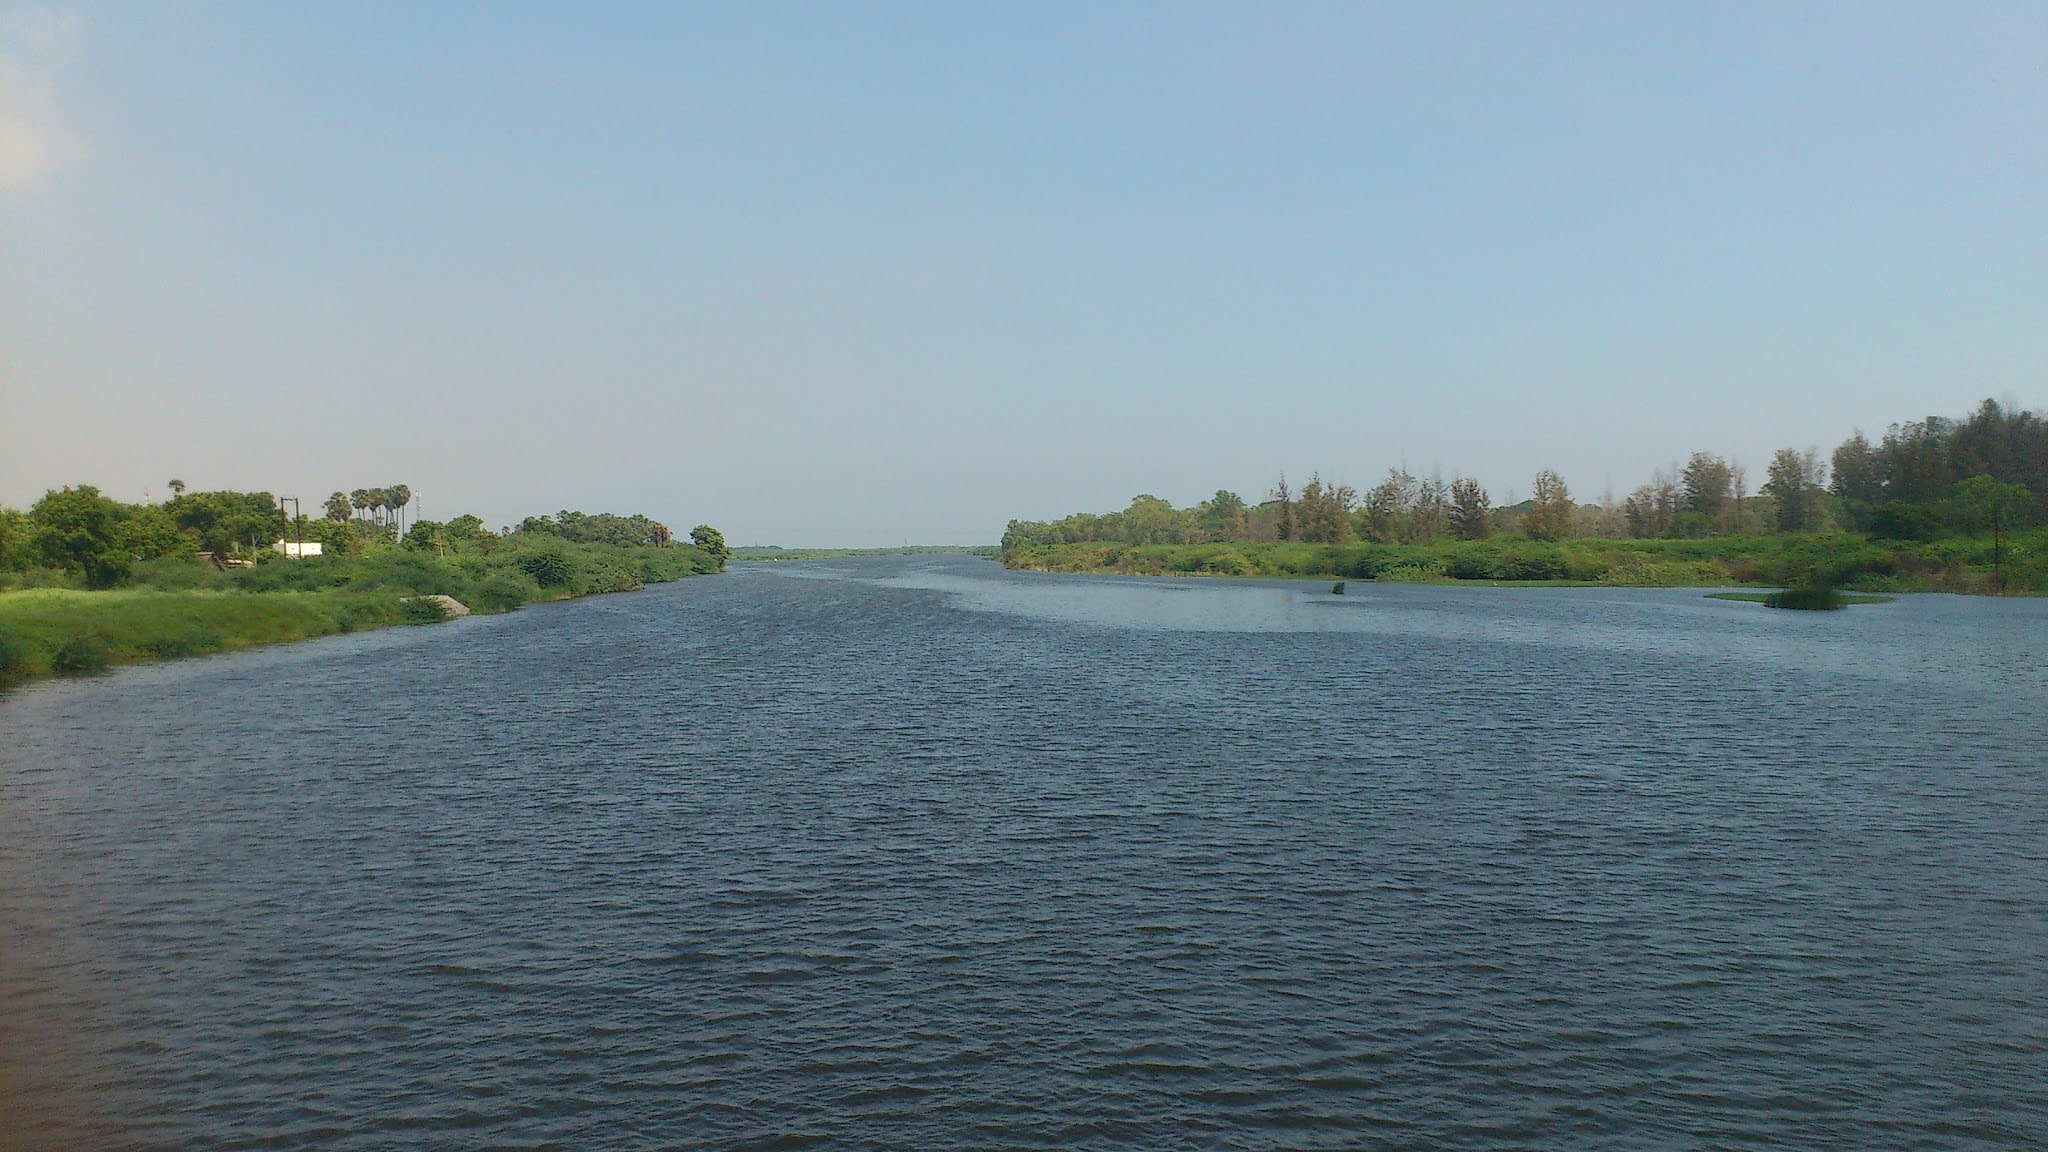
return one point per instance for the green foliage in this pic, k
(602, 528)
(1847, 560)
(78, 531)
(502, 591)
(1550, 511)
(16, 540)
(194, 643)
(229, 522)
(80, 654)
(711, 542)
(14, 661)
(1806, 598)
(1899, 520)
(548, 567)
(422, 610)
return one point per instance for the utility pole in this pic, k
(298, 527)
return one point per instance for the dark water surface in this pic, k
(920, 854)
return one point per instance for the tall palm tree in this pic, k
(338, 507)
(177, 489)
(400, 497)
(360, 500)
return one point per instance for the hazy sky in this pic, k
(850, 274)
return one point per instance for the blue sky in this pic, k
(850, 274)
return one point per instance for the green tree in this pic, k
(1388, 512)
(1708, 485)
(1222, 517)
(77, 530)
(1323, 511)
(1471, 511)
(1651, 508)
(1283, 499)
(1858, 474)
(360, 500)
(1429, 519)
(150, 532)
(177, 488)
(1988, 504)
(1793, 484)
(16, 540)
(1551, 511)
(400, 496)
(339, 507)
(226, 521)
(1150, 520)
(711, 541)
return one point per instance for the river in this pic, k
(917, 853)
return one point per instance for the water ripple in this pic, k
(922, 854)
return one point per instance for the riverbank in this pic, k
(56, 631)
(1850, 561)
(183, 608)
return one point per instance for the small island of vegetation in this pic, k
(1936, 505)
(87, 581)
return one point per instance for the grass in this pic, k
(62, 631)
(176, 608)
(1948, 565)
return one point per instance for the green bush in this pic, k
(503, 591)
(80, 654)
(422, 610)
(548, 567)
(195, 643)
(13, 657)
(1806, 598)
(1531, 563)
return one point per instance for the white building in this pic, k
(296, 551)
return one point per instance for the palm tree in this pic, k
(360, 500)
(400, 497)
(177, 489)
(338, 507)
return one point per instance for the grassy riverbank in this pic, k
(1957, 564)
(57, 630)
(174, 608)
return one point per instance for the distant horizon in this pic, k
(966, 539)
(842, 277)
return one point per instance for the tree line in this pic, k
(1986, 473)
(81, 534)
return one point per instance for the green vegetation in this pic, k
(87, 582)
(1938, 505)
(72, 631)
(1774, 599)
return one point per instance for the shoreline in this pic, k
(47, 633)
(1758, 563)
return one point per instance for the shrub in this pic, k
(422, 610)
(185, 644)
(1807, 598)
(1473, 564)
(549, 568)
(80, 654)
(1227, 562)
(1537, 563)
(503, 591)
(13, 657)
(1587, 565)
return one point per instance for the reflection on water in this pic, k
(918, 853)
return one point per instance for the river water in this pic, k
(915, 853)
